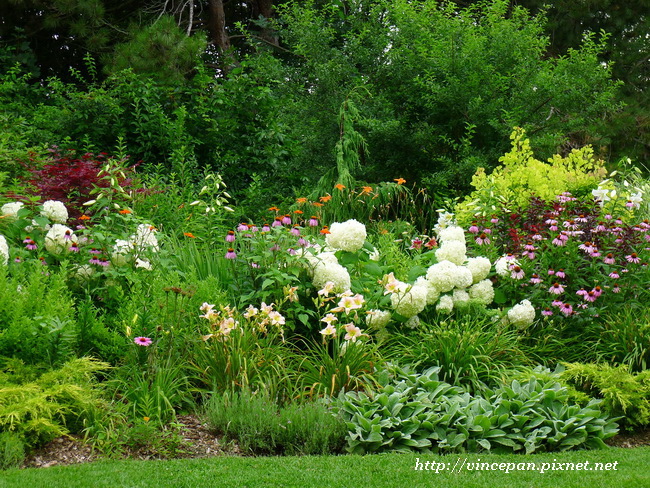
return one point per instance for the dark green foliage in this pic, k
(411, 412)
(12, 450)
(260, 426)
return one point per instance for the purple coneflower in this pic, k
(473, 229)
(243, 227)
(560, 273)
(566, 309)
(231, 253)
(230, 236)
(633, 258)
(142, 341)
(276, 223)
(286, 220)
(556, 289)
(609, 259)
(517, 273)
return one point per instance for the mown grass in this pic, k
(389, 470)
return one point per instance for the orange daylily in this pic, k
(326, 198)
(298, 211)
(189, 234)
(125, 211)
(339, 186)
(400, 181)
(325, 230)
(84, 217)
(317, 204)
(301, 200)
(274, 209)
(366, 190)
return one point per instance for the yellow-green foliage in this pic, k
(521, 176)
(53, 404)
(623, 393)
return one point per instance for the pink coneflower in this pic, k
(550, 272)
(581, 218)
(625, 270)
(104, 262)
(266, 228)
(255, 265)
(230, 236)
(313, 222)
(600, 227)
(494, 220)
(243, 227)
(483, 239)
(581, 292)
(302, 242)
(510, 257)
(276, 223)
(547, 311)
(560, 273)
(558, 242)
(594, 254)
(550, 222)
(609, 259)
(292, 251)
(473, 229)
(31, 245)
(618, 222)
(68, 235)
(487, 231)
(535, 279)
(74, 247)
(590, 296)
(570, 224)
(556, 289)
(598, 291)
(529, 254)
(286, 220)
(517, 273)
(614, 275)
(17, 260)
(557, 303)
(616, 288)
(647, 237)
(582, 305)
(586, 247)
(295, 230)
(633, 258)
(564, 236)
(94, 250)
(94, 260)
(566, 309)
(276, 247)
(142, 341)
(529, 246)
(231, 253)
(537, 237)
(553, 228)
(80, 227)
(252, 228)
(608, 217)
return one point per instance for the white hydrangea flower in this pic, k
(413, 322)
(348, 236)
(335, 273)
(4, 250)
(483, 291)
(454, 251)
(83, 273)
(143, 263)
(377, 318)
(503, 264)
(409, 300)
(451, 234)
(522, 314)
(432, 292)
(442, 275)
(145, 238)
(10, 210)
(460, 296)
(446, 304)
(464, 277)
(55, 211)
(122, 252)
(59, 239)
(480, 268)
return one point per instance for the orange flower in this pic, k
(339, 186)
(125, 211)
(84, 217)
(274, 209)
(189, 234)
(317, 204)
(301, 200)
(326, 198)
(325, 230)
(366, 190)
(400, 181)
(298, 211)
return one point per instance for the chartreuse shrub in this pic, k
(56, 403)
(261, 426)
(418, 412)
(521, 176)
(623, 393)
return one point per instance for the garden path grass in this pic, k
(377, 471)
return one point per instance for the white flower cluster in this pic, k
(126, 250)
(483, 292)
(377, 318)
(504, 264)
(59, 239)
(452, 245)
(4, 250)
(480, 268)
(442, 275)
(10, 210)
(522, 314)
(445, 219)
(409, 300)
(347, 236)
(55, 211)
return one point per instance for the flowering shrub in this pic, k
(568, 257)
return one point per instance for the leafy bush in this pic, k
(418, 412)
(261, 427)
(58, 402)
(12, 450)
(623, 393)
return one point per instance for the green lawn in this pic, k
(390, 470)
